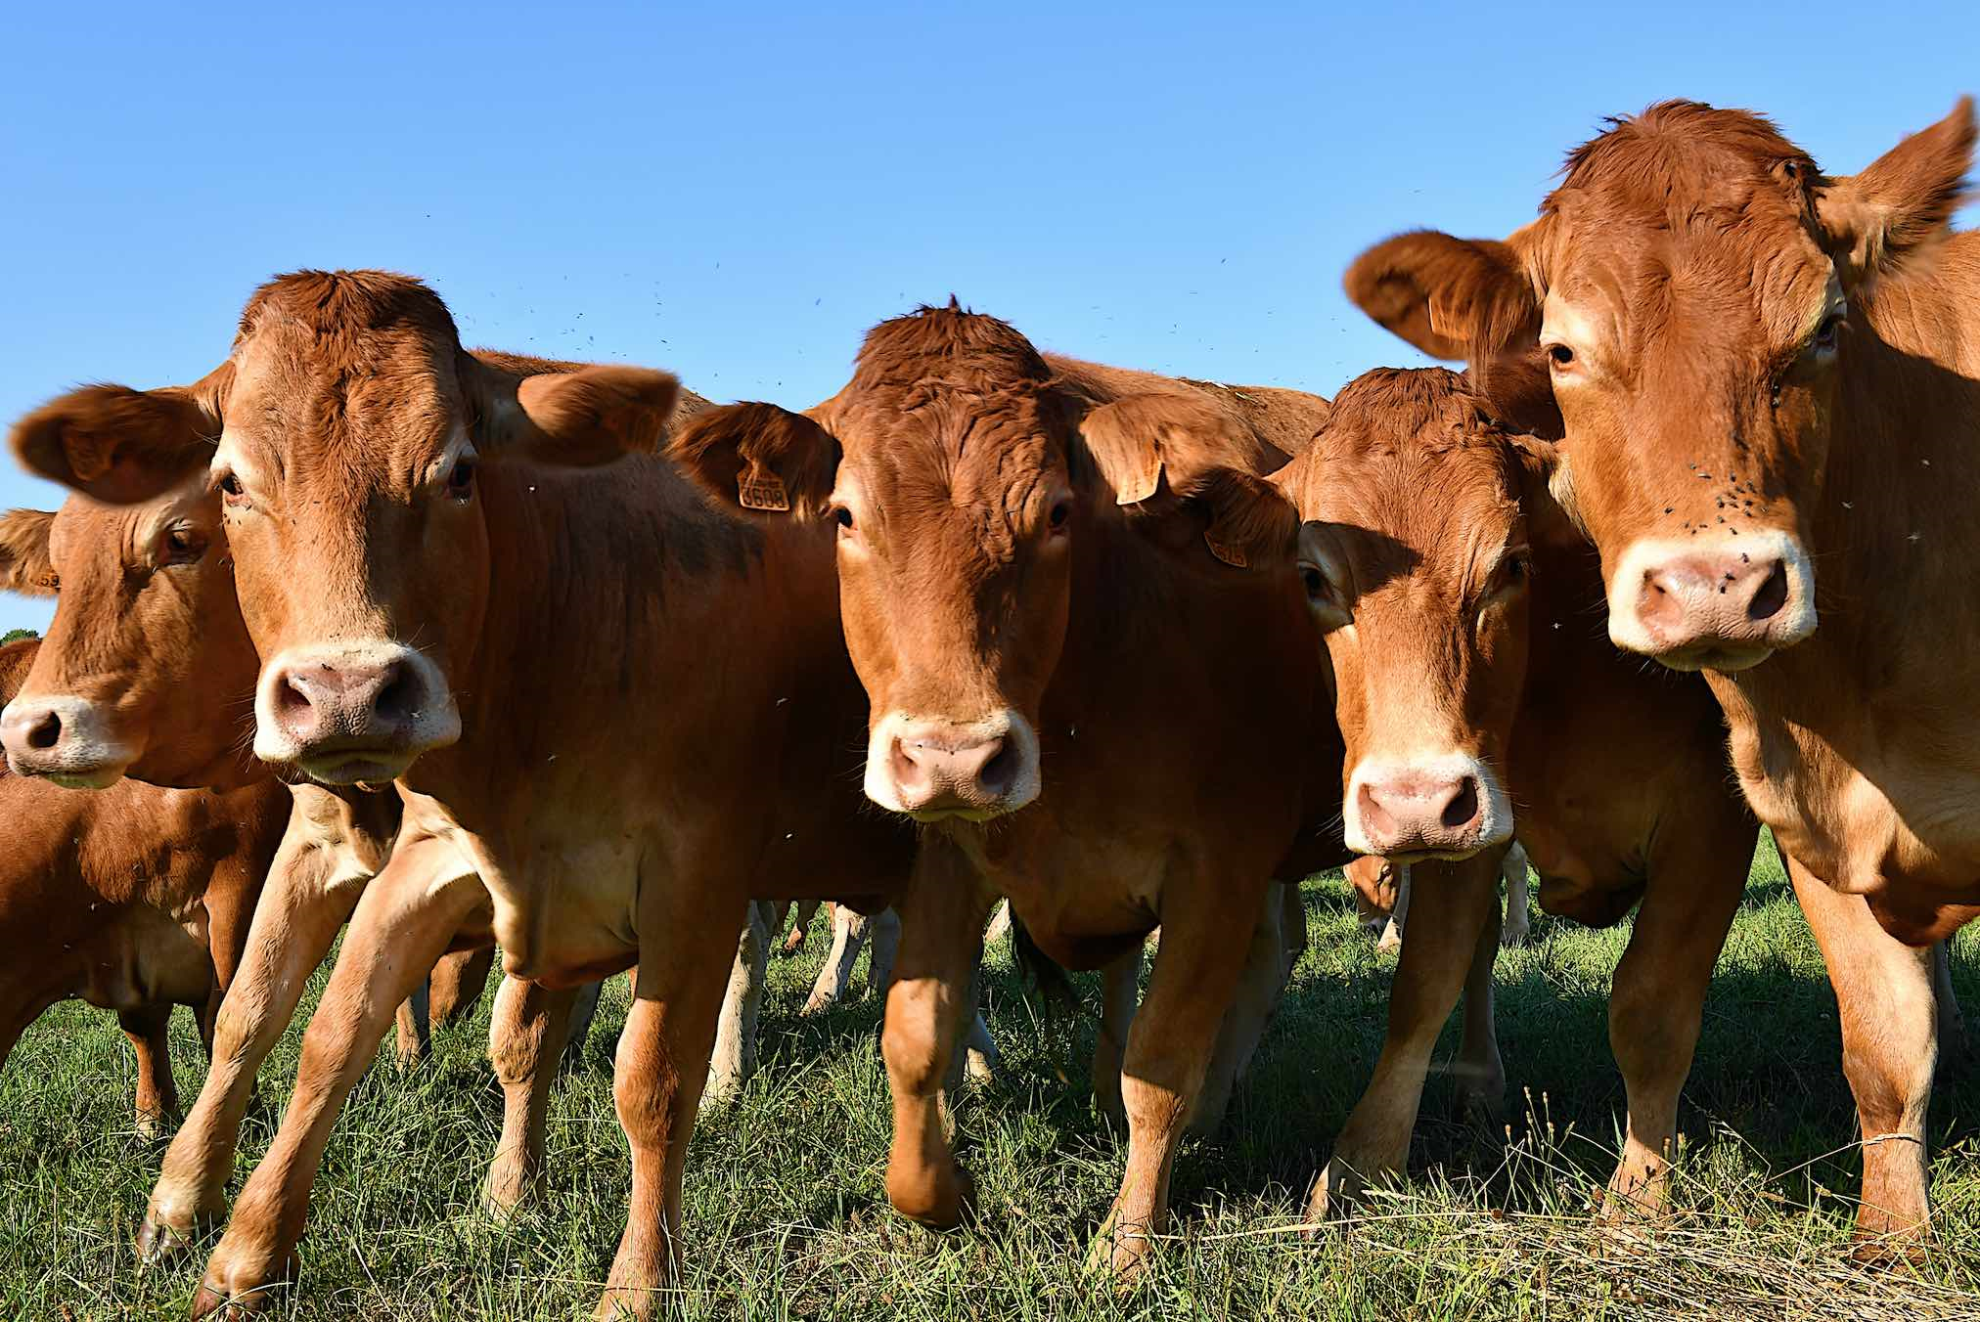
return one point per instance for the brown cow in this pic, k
(1453, 599)
(1030, 581)
(614, 713)
(134, 900)
(1381, 897)
(1768, 383)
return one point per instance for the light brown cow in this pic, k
(134, 900)
(114, 688)
(1031, 586)
(1768, 383)
(1453, 599)
(614, 713)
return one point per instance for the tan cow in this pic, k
(614, 713)
(133, 900)
(1453, 599)
(1768, 382)
(1037, 592)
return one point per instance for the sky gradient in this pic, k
(737, 194)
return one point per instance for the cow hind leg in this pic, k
(734, 1058)
(1889, 1032)
(1436, 959)
(1954, 1049)
(157, 1092)
(1257, 996)
(1479, 1069)
(1120, 992)
(1519, 916)
(584, 1009)
(525, 1042)
(849, 931)
(884, 936)
(414, 1024)
(401, 926)
(800, 928)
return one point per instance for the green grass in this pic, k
(787, 1216)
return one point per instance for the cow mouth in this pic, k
(375, 766)
(1723, 657)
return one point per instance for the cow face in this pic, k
(963, 481)
(344, 439)
(1689, 289)
(147, 669)
(1416, 558)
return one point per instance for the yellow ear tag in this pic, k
(1137, 487)
(1230, 555)
(757, 488)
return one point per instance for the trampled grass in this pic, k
(788, 1217)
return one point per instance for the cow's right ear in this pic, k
(25, 566)
(758, 458)
(1452, 298)
(124, 446)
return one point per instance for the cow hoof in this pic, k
(1513, 936)
(1121, 1255)
(508, 1195)
(932, 1200)
(1336, 1190)
(154, 1125)
(159, 1243)
(981, 1069)
(1481, 1104)
(1390, 943)
(216, 1299)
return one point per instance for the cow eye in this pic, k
(1827, 333)
(460, 481)
(1061, 515)
(1560, 355)
(231, 490)
(843, 517)
(1315, 581)
(181, 546)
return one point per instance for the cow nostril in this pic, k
(1463, 806)
(47, 732)
(1771, 597)
(396, 694)
(1000, 770)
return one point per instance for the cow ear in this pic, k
(759, 458)
(1452, 298)
(1544, 493)
(581, 418)
(124, 446)
(1187, 475)
(25, 566)
(1903, 203)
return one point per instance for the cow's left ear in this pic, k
(1903, 203)
(575, 419)
(1545, 493)
(1187, 476)
(25, 566)
(759, 459)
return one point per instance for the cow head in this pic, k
(344, 438)
(147, 669)
(1416, 552)
(1689, 290)
(965, 481)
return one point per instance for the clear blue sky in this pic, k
(738, 193)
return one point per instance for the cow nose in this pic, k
(1415, 813)
(62, 738)
(933, 775)
(1725, 606)
(354, 704)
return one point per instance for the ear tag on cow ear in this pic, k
(1230, 555)
(757, 488)
(1137, 487)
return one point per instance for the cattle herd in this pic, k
(450, 650)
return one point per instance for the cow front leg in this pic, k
(301, 908)
(1657, 1003)
(525, 1043)
(734, 1058)
(849, 931)
(1256, 999)
(403, 923)
(1889, 1032)
(686, 948)
(1196, 972)
(1437, 957)
(941, 942)
(157, 1092)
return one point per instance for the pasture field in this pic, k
(787, 1216)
